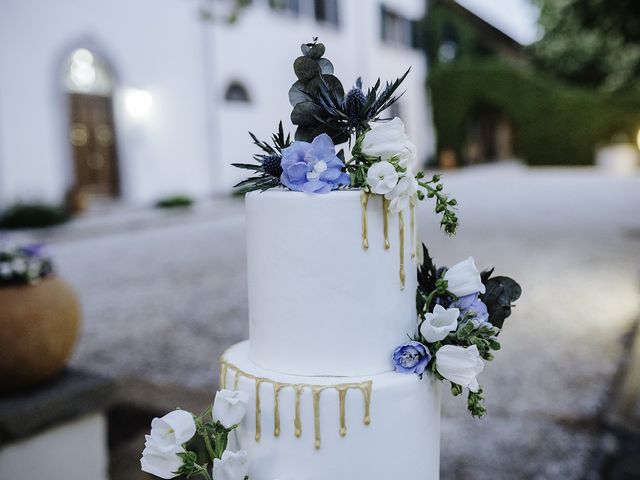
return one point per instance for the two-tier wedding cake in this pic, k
(325, 313)
(340, 378)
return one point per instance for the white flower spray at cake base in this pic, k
(182, 444)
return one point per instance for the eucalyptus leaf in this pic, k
(305, 114)
(500, 294)
(297, 93)
(306, 68)
(326, 67)
(312, 50)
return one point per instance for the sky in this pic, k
(517, 18)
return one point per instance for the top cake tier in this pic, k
(322, 301)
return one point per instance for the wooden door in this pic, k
(92, 136)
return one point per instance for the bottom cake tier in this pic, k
(384, 426)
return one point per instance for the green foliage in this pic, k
(176, 201)
(443, 24)
(554, 124)
(593, 43)
(32, 215)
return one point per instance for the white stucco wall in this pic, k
(190, 136)
(150, 44)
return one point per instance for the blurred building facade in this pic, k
(140, 99)
(456, 35)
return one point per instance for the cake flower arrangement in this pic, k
(382, 157)
(460, 310)
(461, 314)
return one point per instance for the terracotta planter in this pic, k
(38, 328)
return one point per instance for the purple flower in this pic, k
(313, 167)
(472, 306)
(412, 357)
(33, 249)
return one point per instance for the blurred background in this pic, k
(118, 124)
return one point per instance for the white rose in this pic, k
(460, 365)
(230, 407)
(464, 278)
(161, 462)
(386, 139)
(232, 466)
(382, 177)
(172, 430)
(437, 325)
(401, 195)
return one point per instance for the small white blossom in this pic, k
(161, 462)
(460, 365)
(382, 177)
(464, 278)
(439, 324)
(232, 466)
(230, 407)
(402, 194)
(388, 139)
(174, 429)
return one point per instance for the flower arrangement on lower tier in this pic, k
(23, 264)
(461, 314)
(181, 443)
(383, 158)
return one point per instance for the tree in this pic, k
(594, 43)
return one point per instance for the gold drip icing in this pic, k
(297, 423)
(402, 272)
(385, 219)
(364, 201)
(276, 409)
(412, 228)
(342, 395)
(258, 412)
(223, 376)
(316, 392)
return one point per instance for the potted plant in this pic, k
(39, 318)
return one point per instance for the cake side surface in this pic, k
(315, 428)
(319, 302)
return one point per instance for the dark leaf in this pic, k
(305, 114)
(326, 67)
(297, 94)
(500, 294)
(306, 68)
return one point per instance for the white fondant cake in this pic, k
(401, 439)
(319, 303)
(328, 304)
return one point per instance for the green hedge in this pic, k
(32, 215)
(554, 124)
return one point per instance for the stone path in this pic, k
(163, 301)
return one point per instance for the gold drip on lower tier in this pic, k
(298, 388)
(402, 273)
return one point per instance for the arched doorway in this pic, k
(92, 134)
